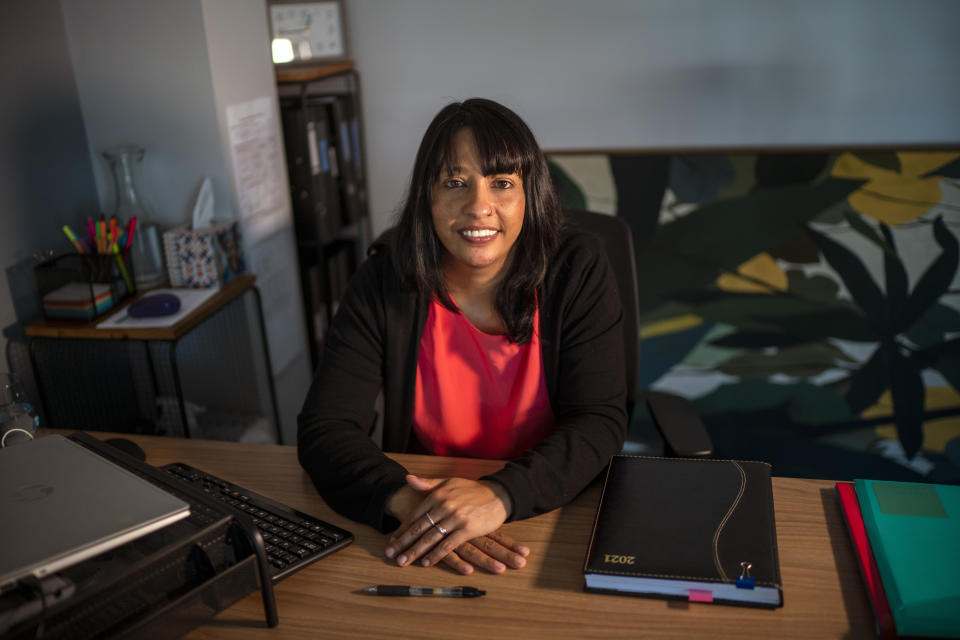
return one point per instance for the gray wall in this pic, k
(45, 174)
(633, 74)
(237, 39)
(143, 73)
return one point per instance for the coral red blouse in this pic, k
(478, 395)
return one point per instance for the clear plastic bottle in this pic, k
(18, 421)
(145, 249)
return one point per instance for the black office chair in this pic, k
(683, 432)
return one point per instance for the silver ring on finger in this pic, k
(442, 531)
(430, 520)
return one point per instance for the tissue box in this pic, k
(203, 257)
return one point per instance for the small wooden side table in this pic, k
(45, 333)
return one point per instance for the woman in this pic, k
(493, 332)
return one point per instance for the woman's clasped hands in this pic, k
(454, 521)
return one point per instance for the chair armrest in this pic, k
(684, 434)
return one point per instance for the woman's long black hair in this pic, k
(506, 145)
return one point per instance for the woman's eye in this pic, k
(503, 184)
(453, 183)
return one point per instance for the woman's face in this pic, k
(476, 217)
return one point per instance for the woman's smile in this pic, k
(478, 235)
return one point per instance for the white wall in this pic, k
(45, 177)
(238, 39)
(143, 73)
(631, 74)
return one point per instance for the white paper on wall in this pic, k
(258, 167)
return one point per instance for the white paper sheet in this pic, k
(190, 299)
(258, 166)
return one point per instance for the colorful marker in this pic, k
(132, 227)
(102, 235)
(123, 268)
(73, 239)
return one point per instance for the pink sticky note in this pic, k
(699, 595)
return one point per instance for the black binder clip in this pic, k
(745, 580)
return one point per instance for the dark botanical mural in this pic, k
(808, 304)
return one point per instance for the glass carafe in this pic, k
(145, 248)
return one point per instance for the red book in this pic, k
(886, 627)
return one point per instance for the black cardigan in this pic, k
(374, 342)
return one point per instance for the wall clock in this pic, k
(307, 32)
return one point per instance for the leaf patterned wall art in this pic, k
(815, 295)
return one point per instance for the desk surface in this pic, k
(232, 289)
(823, 593)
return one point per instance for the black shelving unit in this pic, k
(323, 134)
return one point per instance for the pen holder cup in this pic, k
(82, 286)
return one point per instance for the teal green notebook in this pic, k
(914, 531)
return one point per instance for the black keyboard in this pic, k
(292, 539)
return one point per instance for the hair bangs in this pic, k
(499, 153)
(502, 148)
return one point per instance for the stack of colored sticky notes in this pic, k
(906, 537)
(78, 301)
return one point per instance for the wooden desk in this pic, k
(823, 593)
(52, 332)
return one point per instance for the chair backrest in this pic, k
(617, 239)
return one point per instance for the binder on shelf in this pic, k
(339, 268)
(325, 177)
(298, 168)
(351, 113)
(351, 189)
(305, 133)
(316, 306)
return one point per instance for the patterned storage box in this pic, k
(205, 257)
